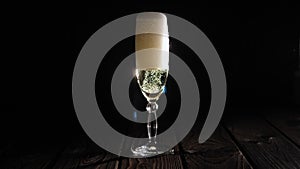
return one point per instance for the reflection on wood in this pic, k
(217, 152)
(265, 146)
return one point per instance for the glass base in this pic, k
(151, 149)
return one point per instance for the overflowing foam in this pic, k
(152, 41)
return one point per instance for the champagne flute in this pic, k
(152, 66)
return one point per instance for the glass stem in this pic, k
(152, 121)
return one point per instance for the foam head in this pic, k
(152, 41)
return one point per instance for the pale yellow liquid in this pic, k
(152, 81)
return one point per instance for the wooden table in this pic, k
(266, 142)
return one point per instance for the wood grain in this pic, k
(218, 152)
(243, 142)
(265, 147)
(288, 122)
(170, 161)
(29, 157)
(83, 153)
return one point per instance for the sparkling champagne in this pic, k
(152, 82)
(152, 65)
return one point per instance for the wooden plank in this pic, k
(38, 160)
(219, 151)
(83, 153)
(288, 122)
(264, 146)
(28, 157)
(168, 161)
(164, 161)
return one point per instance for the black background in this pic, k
(259, 49)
